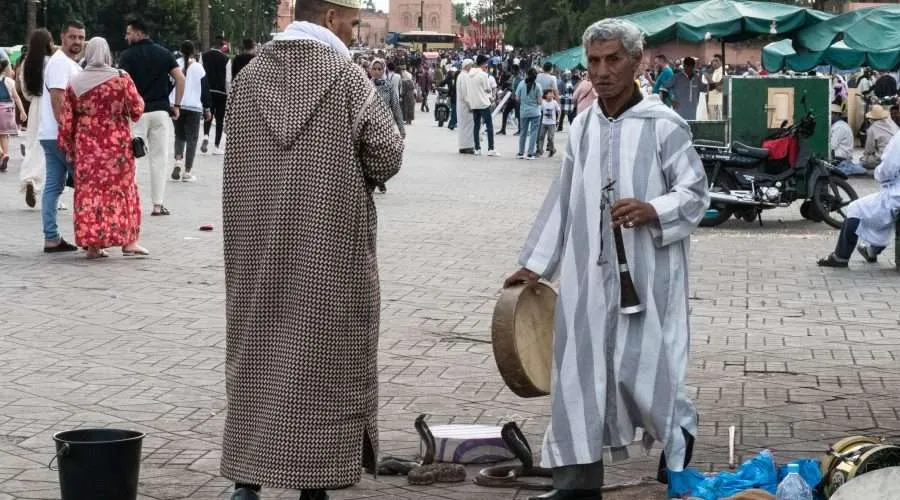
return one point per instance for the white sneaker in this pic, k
(204, 146)
(477, 152)
(61, 206)
(520, 157)
(188, 177)
(219, 151)
(493, 153)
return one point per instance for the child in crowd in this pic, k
(550, 111)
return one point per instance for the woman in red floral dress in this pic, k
(95, 134)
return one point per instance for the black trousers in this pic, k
(218, 111)
(506, 111)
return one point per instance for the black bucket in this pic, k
(98, 464)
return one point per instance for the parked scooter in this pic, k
(442, 106)
(745, 180)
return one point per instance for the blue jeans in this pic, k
(483, 114)
(848, 239)
(452, 123)
(528, 131)
(54, 183)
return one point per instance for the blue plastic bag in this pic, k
(757, 472)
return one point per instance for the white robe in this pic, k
(614, 373)
(878, 211)
(32, 169)
(465, 122)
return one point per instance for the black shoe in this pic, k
(22, 149)
(245, 494)
(570, 495)
(29, 195)
(550, 155)
(176, 174)
(662, 471)
(502, 132)
(832, 261)
(313, 495)
(867, 253)
(63, 246)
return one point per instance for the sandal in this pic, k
(4, 162)
(162, 211)
(136, 250)
(99, 254)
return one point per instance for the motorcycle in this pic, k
(744, 181)
(442, 106)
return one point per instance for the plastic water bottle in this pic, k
(793, 487)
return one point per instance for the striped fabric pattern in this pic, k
(614, 374)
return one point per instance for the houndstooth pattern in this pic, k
(306, 135)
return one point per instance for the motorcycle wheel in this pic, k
(718, 213)
(809, 212)
(831, 196)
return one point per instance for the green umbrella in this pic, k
(782, 55)
(727, 20)
(870, 30)
(569, 58)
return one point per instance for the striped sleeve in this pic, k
(543, 247)
(683, 206)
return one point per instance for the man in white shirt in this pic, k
(714, 97)
(842, 143)
(479, 98)
(60, 69)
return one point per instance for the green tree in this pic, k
(459, 12)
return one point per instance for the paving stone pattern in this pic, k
(793, 355)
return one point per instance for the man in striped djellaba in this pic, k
(618, 369)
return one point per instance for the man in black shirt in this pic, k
(215, 63)
(248, 53)
(150, 66)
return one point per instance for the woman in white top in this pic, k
(194, 108)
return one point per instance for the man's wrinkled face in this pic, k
(611, 68)
(73, 41)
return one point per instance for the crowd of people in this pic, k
(88, 117)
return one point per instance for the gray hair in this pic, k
(625, 32)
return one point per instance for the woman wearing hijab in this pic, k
(386, 91)
(95, 134)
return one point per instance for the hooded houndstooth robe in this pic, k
(307, 136)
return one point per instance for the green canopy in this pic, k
(569, 58)
(13, 53)
(727, 20)
(782, 55)
(871, 30)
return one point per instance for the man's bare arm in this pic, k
(57, 99)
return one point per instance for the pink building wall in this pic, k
(404, 15)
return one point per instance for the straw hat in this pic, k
(877, 112)
(836, 108)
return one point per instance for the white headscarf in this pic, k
(97, 67)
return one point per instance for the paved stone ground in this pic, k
(793, 355)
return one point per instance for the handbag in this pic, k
(138, 147)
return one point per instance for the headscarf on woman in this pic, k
(97, 67)
(383, 79)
